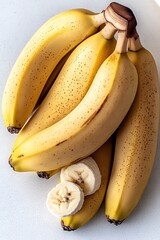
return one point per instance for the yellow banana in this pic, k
(90, 124)
(40, 56)
(72, 82)
(136, 139)
(103, 157)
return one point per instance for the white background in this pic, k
(23, 214)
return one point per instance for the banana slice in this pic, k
(85, 173)
(65, 199)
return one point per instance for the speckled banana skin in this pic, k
(88, 126)
(71, 84)
(39, 57)
(52, 79)
(136, 142)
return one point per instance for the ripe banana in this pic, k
(72, 83)
(84, 173)
(136, 139)
(103, 157)
(90, 124)
(65, 199)
(38, 59)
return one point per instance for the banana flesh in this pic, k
(103, 157)
(65, 199)
(90, 124)
(38, 59)
(136, 140)
(72, 82)
(85, 173)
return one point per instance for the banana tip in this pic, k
(13, 129)
(115, 222)
(10, 163)
(66, 228)
(43, 175)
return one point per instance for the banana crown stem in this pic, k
(134, 43)
(108, 31)
(118, 21)
(98, 19)
(121, 46)
(121, 17)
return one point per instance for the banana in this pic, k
(45, 49)
(72, 83)
(136, 140)
(90, 124)
(84, 173)
(64, 199)
(103, 157)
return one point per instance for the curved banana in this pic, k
(136, 139)
(72, 82)
(90, 124)
(39, 57)
(103, 157)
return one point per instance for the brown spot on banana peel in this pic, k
(66, 228)
(115, 222)
(13, 129)
(60, 143)
(94, 114)
(127, 14)
(21, 155)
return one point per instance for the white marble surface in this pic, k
(23, 214)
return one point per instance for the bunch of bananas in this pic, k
(74, 92)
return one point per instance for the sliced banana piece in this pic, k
(66, 198)
(85, 173)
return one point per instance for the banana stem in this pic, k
(99, 19)
(121, 46)
(134, 43)
(108, 31)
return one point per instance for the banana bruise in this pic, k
(38, 59)
(72, 82)
(103, 157)
(136, 140)
(90, 124)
